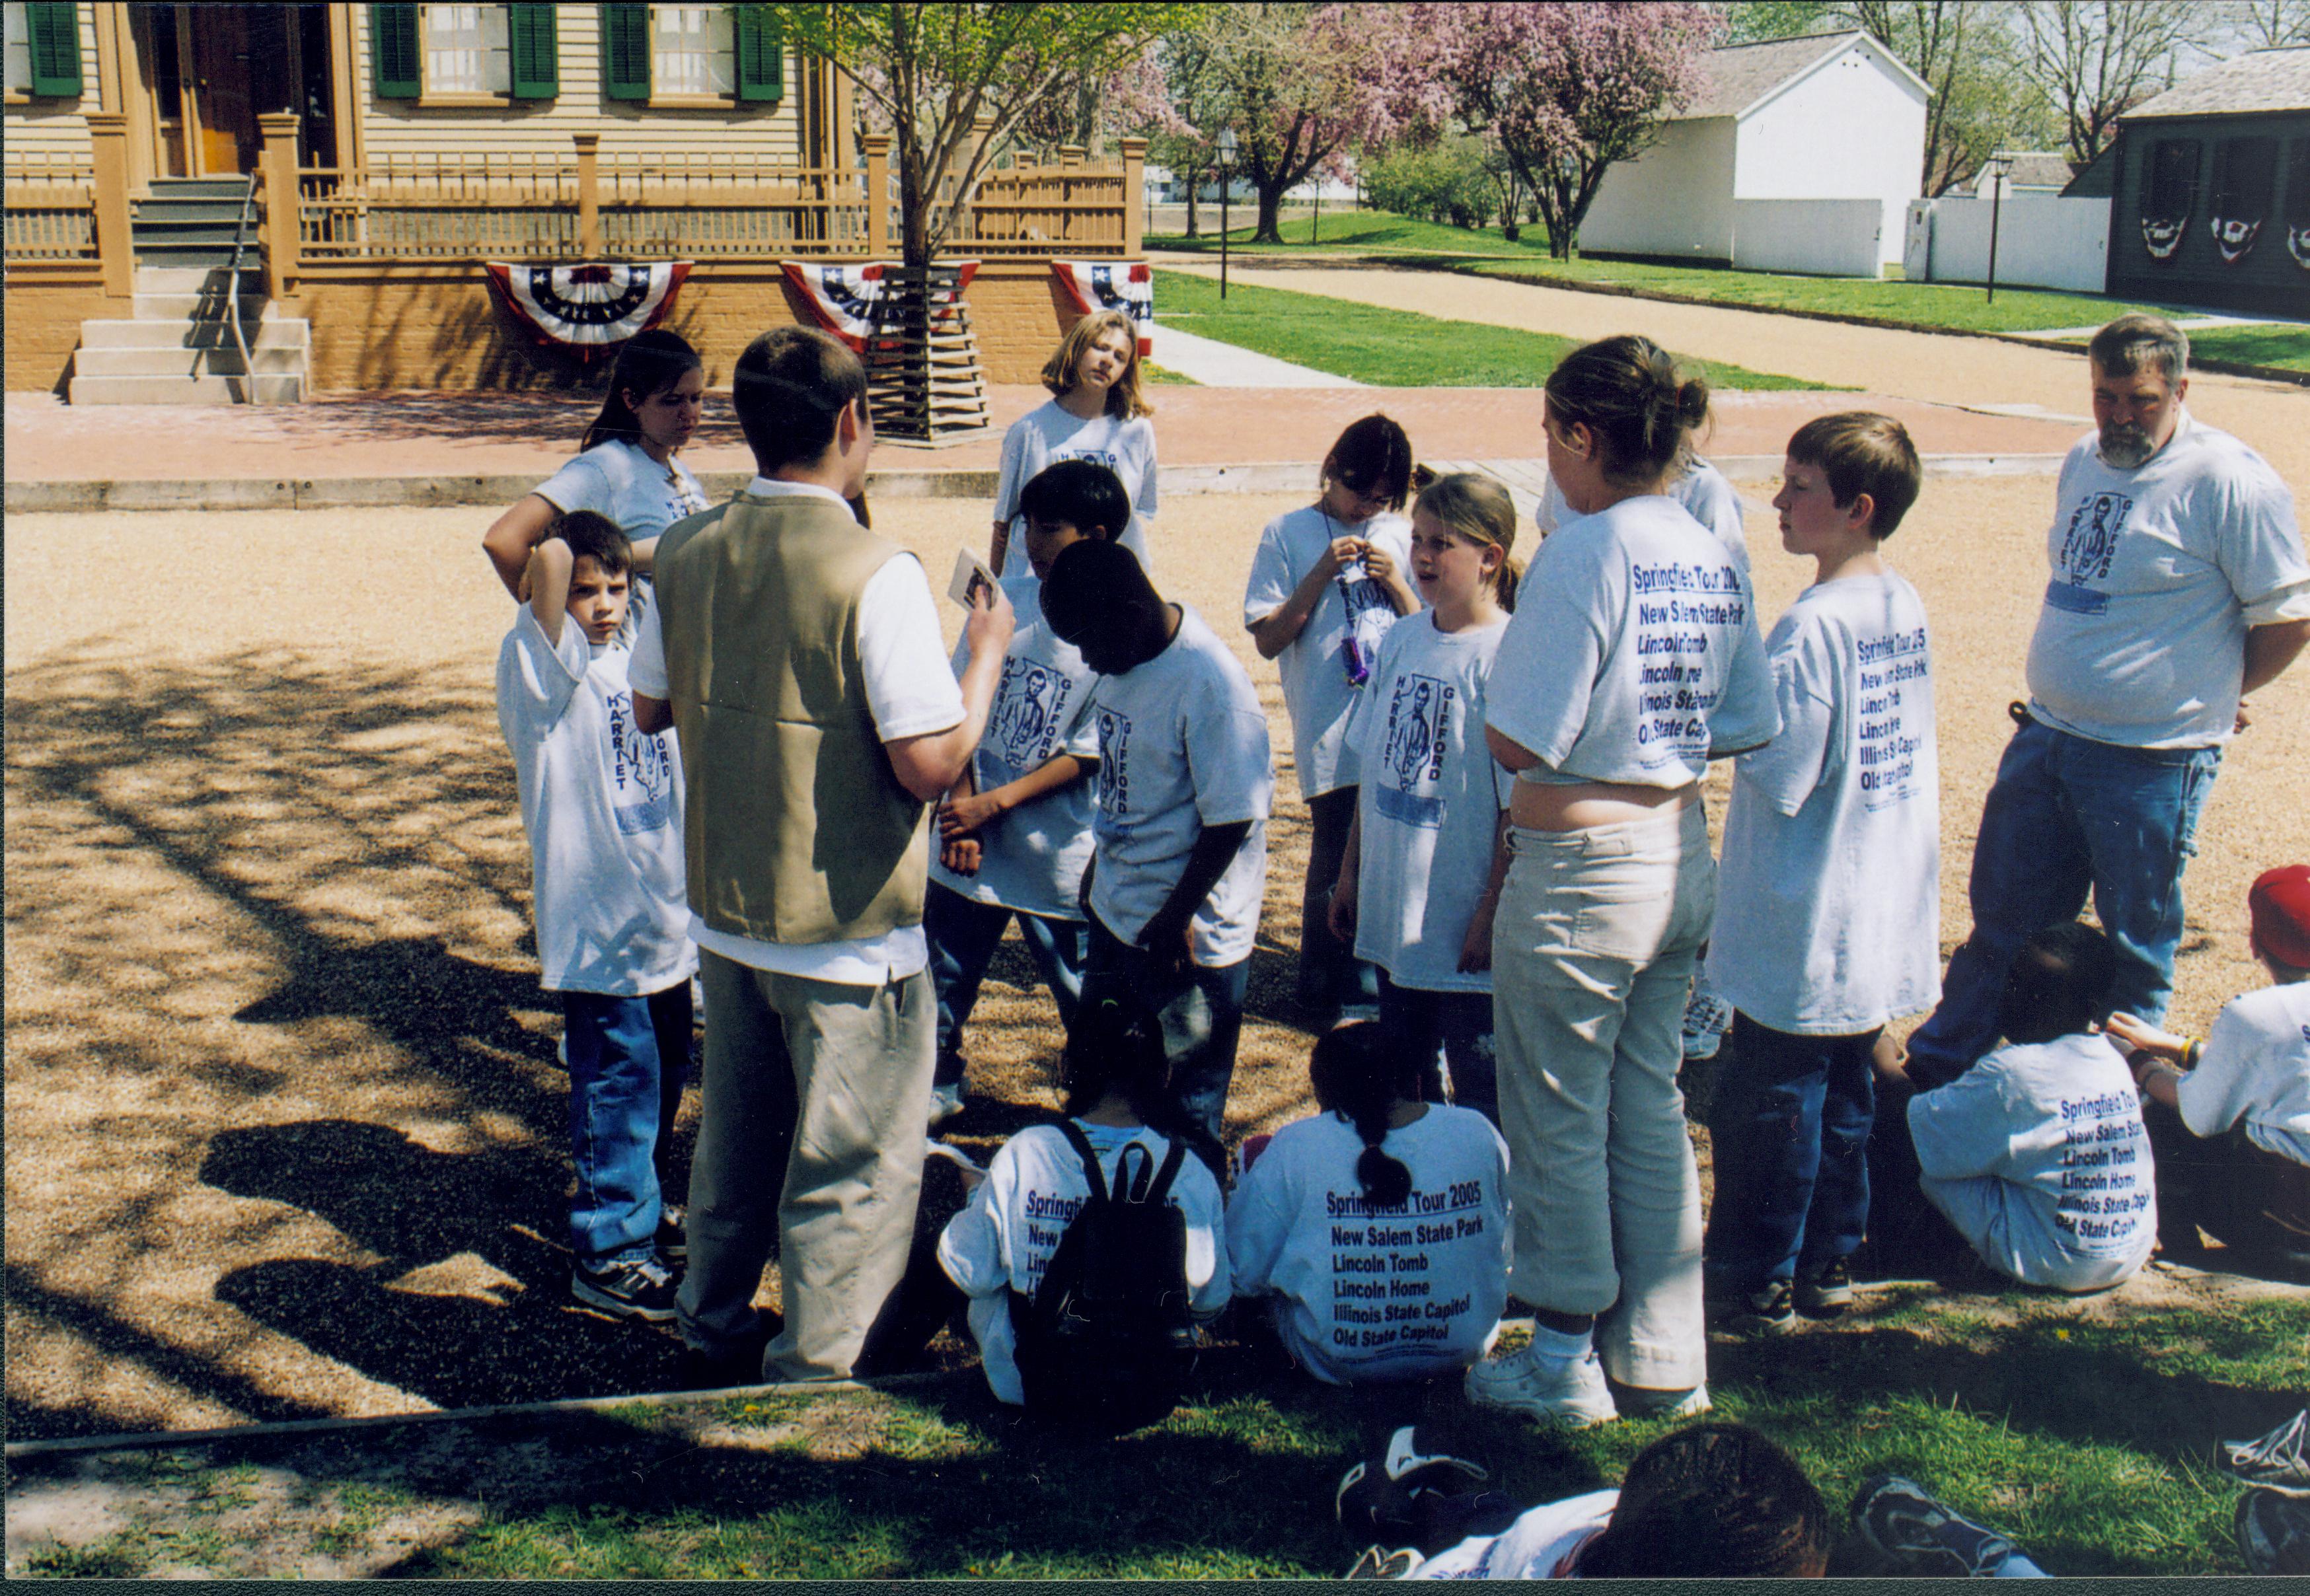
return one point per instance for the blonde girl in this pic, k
(1097, 413)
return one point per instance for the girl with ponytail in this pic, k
(1632, 661)
(1378, 1199)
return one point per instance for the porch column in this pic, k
(108, 133)
(278, 165)
(878, 195)
(590, 194)
(1134, 196)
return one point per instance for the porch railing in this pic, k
(50, 205)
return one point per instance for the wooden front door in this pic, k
(222, 118)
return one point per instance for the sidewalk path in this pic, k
(1218, 365)
(1941, 368)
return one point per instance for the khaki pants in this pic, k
(811, 1137)
(1592, 958)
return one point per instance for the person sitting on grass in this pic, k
(1831, 873)
(601, 802)
(1305, 1223)
(1114, 1074)
(2229, 1116)
(2038, 1155)
(1014, 830)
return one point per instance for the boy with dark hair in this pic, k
(1014, 830)
(1831, 871)
(2038, 1155)
(2229, 1116)
(1179, 856)
(602, 801)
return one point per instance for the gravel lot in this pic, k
(284, 1130)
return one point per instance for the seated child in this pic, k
(1829, 887)
(1179, 856)
(1428, 848)
(2229, 1116)
(1113, 1073)
(602, 803)
(2036, 1154)
(1378, 1199)
(1015, 831)
(1715, 1500)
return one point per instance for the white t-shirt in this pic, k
(1033, 857)
(602, 804)
(1046, 435)
(2157, 572)
(1182, 745)
(619, 480)
(1003, 1239)
(1702, 490)
(911, 691)
(1316, 691)
(2256, 1068)
(1542, 1544)
(1634, 649)
(1831, 867)
(1432, 796)
(2038, 1155)
(1397, 1293)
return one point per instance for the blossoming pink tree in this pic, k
(1566, 87)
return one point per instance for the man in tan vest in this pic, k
(799, 657)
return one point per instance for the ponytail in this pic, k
(1115, 1046)
(1626, 391)
(1360, 1077)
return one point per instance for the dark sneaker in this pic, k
(1377, 1563)
(1910, 1534)
(1827, 1290)
(2278, 1462)
(1389, 1495)
(2273, 1533)
(1770, 1311)
(634, 1288)
(674, 1235)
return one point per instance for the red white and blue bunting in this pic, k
(589, 305)
(1127, 286)
(844, 298)
(2234, 238)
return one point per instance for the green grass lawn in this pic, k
(1358, 232)
(2088, 1441)
(2285, 345)
(1386, 348)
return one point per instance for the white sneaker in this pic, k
(1635, 1403)
(1556, 1391)
(946, 1102)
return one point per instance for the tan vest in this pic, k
(797, 831)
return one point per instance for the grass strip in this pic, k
(1388, 348)
(2285, 345)
(1361, 232)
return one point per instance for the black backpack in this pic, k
(1108, 1340)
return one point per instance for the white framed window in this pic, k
(693, 50)
(468, 49)
(19, 50)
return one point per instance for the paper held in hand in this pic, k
(970, 573)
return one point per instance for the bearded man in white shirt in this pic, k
(2179, 587)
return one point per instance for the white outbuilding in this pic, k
(1794, 155)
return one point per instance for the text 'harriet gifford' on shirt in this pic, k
(1032, 857)
(2157, 574)
(1317, 691)
(1831, 863)
(602, 803)
(1182, 745)
(1003, 1240)
(1633, 651)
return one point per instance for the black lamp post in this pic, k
(1227, 180)
(1997, 167)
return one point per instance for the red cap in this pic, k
(2279, 904)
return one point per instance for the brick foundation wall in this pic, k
(44, 317)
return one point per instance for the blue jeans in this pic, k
(1332, 980)
(1200, 1014)
(1460, 1023)
(963, 934)
(2067, 816)
(628, 1058)
(1790, 1132)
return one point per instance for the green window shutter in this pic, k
(762, 55)
(625, 52)
(536, 63)
(53, 31)
(393, 54)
